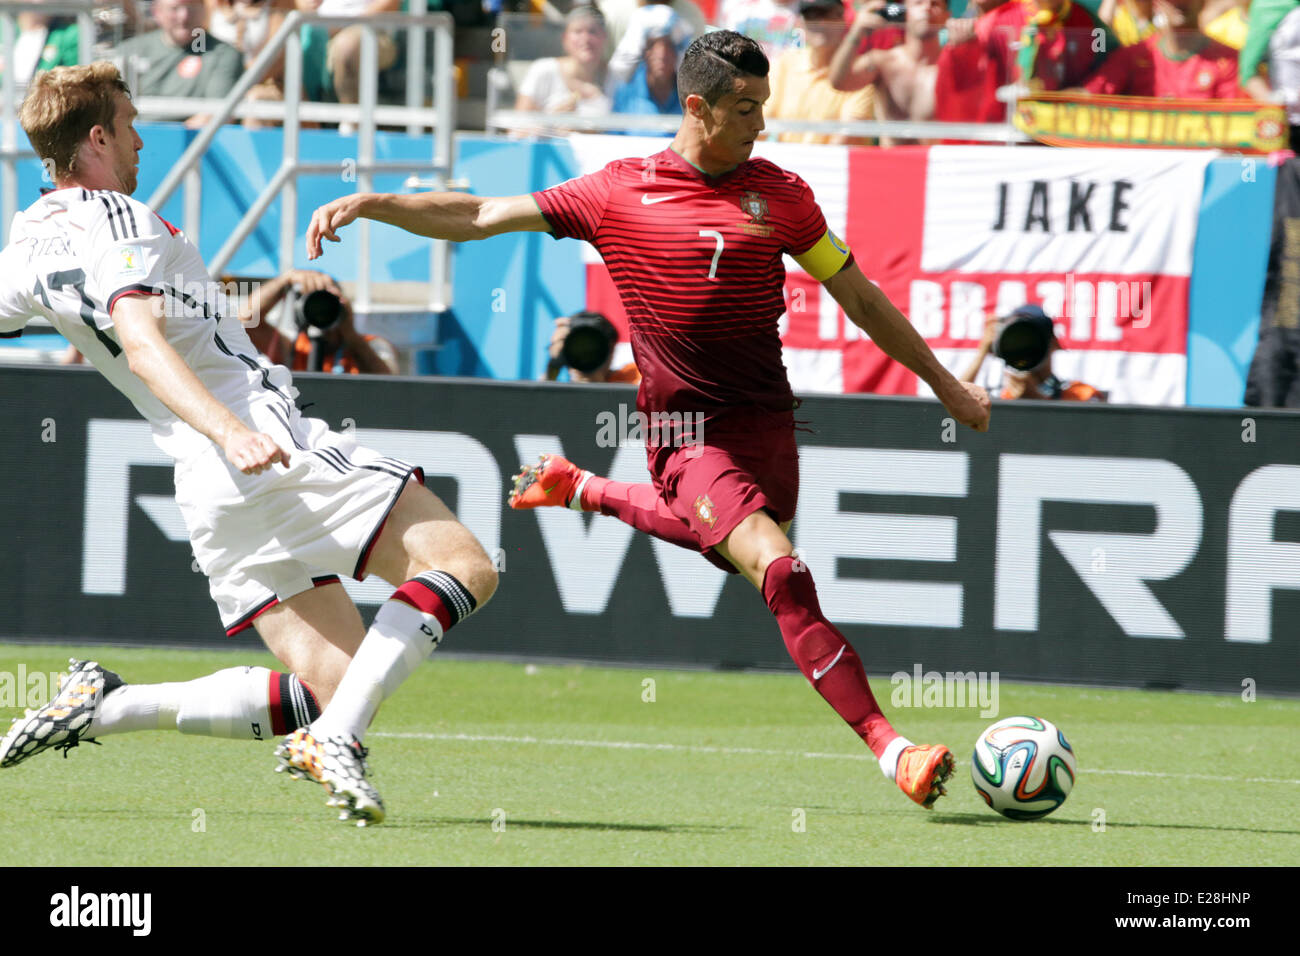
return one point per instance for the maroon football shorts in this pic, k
(745, 463)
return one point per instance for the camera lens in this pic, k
(1023, 343)
(320, 309)
(588, 345)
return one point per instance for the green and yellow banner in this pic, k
(1078, 119)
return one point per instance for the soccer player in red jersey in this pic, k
(693, 237)
(1177, 61)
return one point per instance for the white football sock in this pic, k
(233, 703)
(889, 759)
(576, 501)
(399, 639)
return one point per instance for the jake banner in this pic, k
(1079, 119)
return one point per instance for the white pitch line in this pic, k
(702, 749)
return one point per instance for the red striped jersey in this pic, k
(697, 262)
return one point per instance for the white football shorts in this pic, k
(263, 538)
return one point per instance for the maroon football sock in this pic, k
(640, 506)
(822, 653)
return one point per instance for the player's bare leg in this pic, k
(760, 550)
(442, 574)
(315, 634)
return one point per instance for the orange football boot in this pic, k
(922, 772)
(553, 481)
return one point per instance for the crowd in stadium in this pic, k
(882, 59)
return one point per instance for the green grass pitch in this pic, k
(512, 764)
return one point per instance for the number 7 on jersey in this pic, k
(716, 237)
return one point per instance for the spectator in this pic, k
(248, 25)
(800, 78)
(1132, 21)
(325, 338)
(575, 82)
(652, 20)
(903, 77)
(966, 85)
(1042, 44)
(618, 13)
(653, 87)
(42, 43)
(590, 354)
(770, 23)
(1178, 62)
(331, 58)
(181, 58)
(1026, 340)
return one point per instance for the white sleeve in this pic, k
(127, 248)
(17, 307)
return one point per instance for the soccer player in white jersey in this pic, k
(277, 505)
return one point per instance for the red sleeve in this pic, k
(807, 224)
(1114, 76)
(575, 208)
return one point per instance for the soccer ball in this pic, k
(1023, 767)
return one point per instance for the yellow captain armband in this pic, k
(825, 258)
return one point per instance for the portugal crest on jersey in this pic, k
(755, 207)
(704, 511)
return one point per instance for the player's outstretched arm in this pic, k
(458, 217)
(870, 310)
(140, 333)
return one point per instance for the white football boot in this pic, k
(338, 764)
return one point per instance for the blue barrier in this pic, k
(507, 290)
(1228, 266)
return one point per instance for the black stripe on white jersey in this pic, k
(329, 461)
(394, 462)
(284, 420)
(400, 471)
(337, 456)
(118, 206)
(388, 471)
(126, 207)
(109, 206)
(264, 372)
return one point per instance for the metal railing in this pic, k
(366, 114)
(518, 120)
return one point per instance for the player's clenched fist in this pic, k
(254, 452)
(327, 220)
(970, 405)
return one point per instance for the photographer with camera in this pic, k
(903, 77)
(1025, 341)
(584, 344)
(326, 339)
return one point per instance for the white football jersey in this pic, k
(75, 251)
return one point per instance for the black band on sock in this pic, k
(459, 603)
